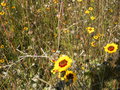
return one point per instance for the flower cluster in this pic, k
(61, 66)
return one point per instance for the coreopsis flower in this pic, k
(90, 8)
(2, 60)
(79, 0)
(2, 13)
(111, 10)
(55, 1)
(96, 37)
(25, 28)
(90, 29)
(93, 44)
(62, 64)
(111, 47)
(3, 4)
(87, 12)
(92, 18)
(13, 7)
(82, 68)
(70, 75)
(2, 46)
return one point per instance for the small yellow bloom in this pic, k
(83, 68)
(3, 4)
(53, 50)
(92, 18)
(66, 31)
(96, 37)
(111, 10)
(62, 64)
(2, 46)
(70, 75)
(48, 8)
(2, 13)
(2, 60)
(13, 7)
(79, 0)
(93, 44)
(25, 28)
(55, 1)
(90, 29)
(111, 47)
(87, 12)
(90, 8)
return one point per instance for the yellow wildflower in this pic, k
(25, 28)
(83, 68)
(79, 0)
(92, 18)
(3, 4)
(93, 44)
(55, 1)
(96, 37)
(53, 50)
(48, 8)
(62, 64)
(2, 60)
(87, 12)
(90, 8)
(70, 75)
(13, 7)
(90, 29)
(111, 10)
(2, 46)
(111, 47)
(2, 13)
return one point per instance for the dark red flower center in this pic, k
(111, 48)
(70, 76)
(63, 63)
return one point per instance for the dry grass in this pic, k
(31, 30)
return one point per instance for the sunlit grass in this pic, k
(35, 33)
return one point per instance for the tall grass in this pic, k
(35, 31)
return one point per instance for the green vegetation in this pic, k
(35, 33)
